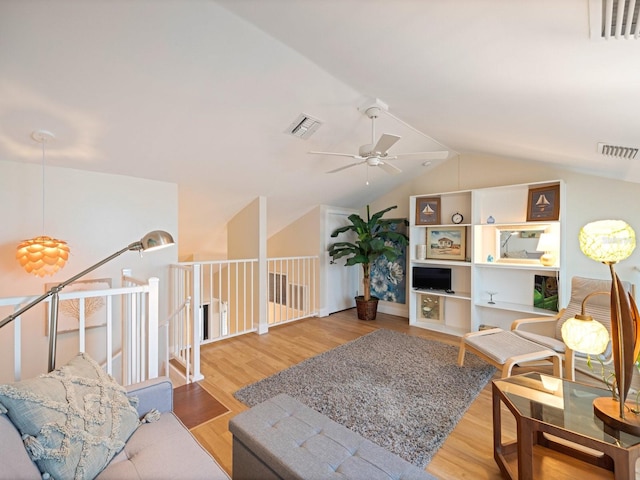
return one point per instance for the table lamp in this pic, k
(610, 241)
(547, 245)
(584, 334)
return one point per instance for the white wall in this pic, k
(300, 238)
(97, 215)
(589, 198)
(246, 231)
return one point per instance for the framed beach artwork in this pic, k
(544, 203)
(446, 243)
(431, 308)
(389, 279)
(95, 309)
(428, 211)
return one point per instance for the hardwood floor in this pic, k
(466, 454)
(193, 405)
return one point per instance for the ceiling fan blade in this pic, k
(337, 154)
(386, 141)
(389, 168)
(441, 155)
(345, 167)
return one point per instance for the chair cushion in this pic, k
(72, 420)
(502, 345)
(547, 342)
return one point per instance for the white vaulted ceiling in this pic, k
(200, 93)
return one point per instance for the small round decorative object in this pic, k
(457, 217)
(491, 219)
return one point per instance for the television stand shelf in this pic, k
(442, 293)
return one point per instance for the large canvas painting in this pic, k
(389, 279)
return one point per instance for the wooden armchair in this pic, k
(547, 331)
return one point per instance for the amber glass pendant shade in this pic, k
(43, 255)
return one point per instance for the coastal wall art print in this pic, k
(389, 278)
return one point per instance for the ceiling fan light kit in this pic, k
(376, 154)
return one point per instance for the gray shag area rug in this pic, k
(402, 392)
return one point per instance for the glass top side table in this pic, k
(558, 414)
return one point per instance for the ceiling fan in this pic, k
(375, 154)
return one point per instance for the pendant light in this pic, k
(42, 255)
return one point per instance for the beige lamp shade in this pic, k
(547, 245)
(42, 255)
(586, 335)
(607, 241)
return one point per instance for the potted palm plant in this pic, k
(375, 237)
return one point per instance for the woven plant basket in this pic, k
(366, 310)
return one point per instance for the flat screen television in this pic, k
(431, 278)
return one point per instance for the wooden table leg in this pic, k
(500, 449)
(624, 465)
(497, 423)
(525, 448)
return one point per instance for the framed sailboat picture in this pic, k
(544, 203)
(428, 211)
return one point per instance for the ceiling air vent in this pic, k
(303, 126)
(614, 18)
(617, 151)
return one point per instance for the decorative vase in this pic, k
(366, 309)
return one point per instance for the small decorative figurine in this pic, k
(491, 219)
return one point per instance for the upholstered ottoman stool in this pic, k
(505, 349)
(282, 438)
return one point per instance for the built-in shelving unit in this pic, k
(499, 257)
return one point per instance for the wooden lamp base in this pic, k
(607, 409)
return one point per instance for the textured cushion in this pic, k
(502, 345)
(297, 442)
(547, 342)
(72, 420)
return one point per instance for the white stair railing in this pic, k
(177, 329)
(224, 300)
(131, 339)
(291, 289)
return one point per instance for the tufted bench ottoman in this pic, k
(282, 438)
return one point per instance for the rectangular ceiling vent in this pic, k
(617, 151)
(303, 126)
(614, 18)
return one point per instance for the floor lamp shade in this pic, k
(155, 240)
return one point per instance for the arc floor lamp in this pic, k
(154, 240)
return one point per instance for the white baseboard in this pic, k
(401, 310)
